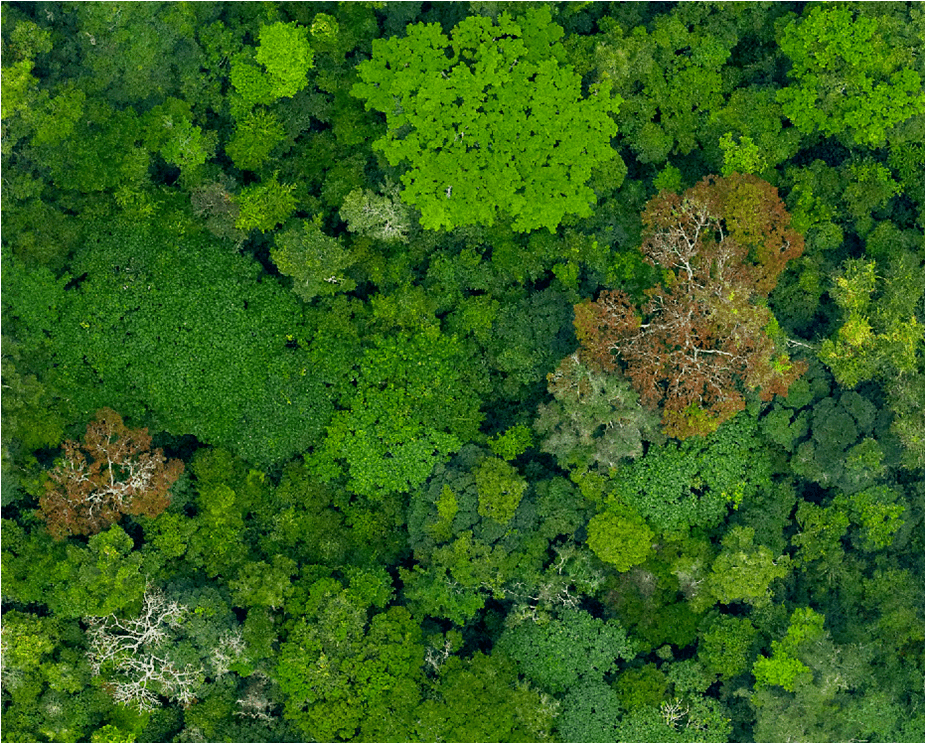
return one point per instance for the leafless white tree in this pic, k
(137, 651)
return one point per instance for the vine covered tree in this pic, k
(705, 337)
(111, 473)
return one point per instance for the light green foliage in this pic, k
(413, 404)
(212, 540)
(700, 719)
(482, 699)
(743, 156)
(819, 537)
(512, 442)
(434, 592)
(696, 481)
(26, 41)
(283, 59)
(815, 203)
(500, 488)
(641, 687)
(262, 584)
(876, 511)
(853, 74)
(381, 216)
(265, 205)
(496, 129)
(783, 668)
(345, 676)
(565, 650)
(316, 262)
(441, 530)
(256, 134)
(727, 646)
(171, 132)
(159, 315)
(45, 680)
(104, 576)
(744, 571)
(668, 179)
(31, 419)
(285, 53)
(881, 335)
(620, 538)
(111, 734)
(216, 546)
(752, 137)
(595, 419)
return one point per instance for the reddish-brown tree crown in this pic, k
(111, 473)
(702, 338)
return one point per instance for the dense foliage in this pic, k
(463, 371)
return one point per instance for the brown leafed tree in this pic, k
(703, 337)
(111, 473)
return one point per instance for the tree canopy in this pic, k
(474, 371)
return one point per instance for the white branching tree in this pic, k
(137, 654)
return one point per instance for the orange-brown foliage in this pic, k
(111, 473)
(701, 339)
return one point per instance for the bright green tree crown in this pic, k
(491, 123)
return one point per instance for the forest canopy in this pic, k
(473, 371)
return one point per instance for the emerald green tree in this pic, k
(696, 482)
(500, 488)
(490, 121)
(317, 263)
(728, 645)
(744, 571)
(482, 699)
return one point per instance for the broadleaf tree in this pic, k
(491, 122)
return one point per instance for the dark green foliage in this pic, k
(171, 316)
(694, 483)
(590, 713)
(413, 404)
(842, 450)
(529, 336)
(481, 699)
(566, 650)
